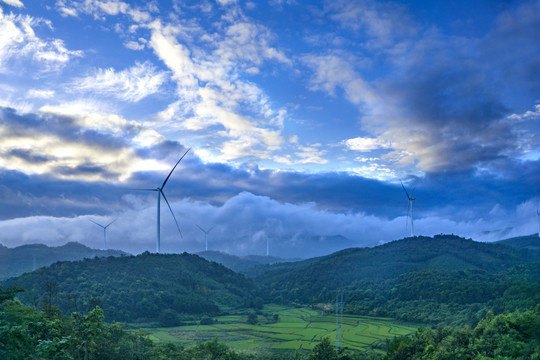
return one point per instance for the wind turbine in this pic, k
(410, 207)
(104, 231)
(206, 232)
(160, 193)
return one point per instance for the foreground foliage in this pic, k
(506, 336)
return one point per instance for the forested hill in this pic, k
(241, 264)
(530, 242)
(21, 259)
(147, 287)
(417, 279)
(445, 252)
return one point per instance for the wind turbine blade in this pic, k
(178, 162)
(144, 189)
(211, 229)
(174, 217)
(110, 223)
(200, 228)
(97, 223)
(408, 197)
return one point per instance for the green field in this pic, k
(297, 328)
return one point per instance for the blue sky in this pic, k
(302, 116)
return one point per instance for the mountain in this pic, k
(24, 258)
(241, 264)
(531, 242)
(148, 287)
(420, 279)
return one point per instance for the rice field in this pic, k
(297, 328)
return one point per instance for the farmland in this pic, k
(296, 328)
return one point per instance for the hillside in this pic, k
(147, 287)
(25, 258)
(417, 279)
(241, 264)
(530, 242)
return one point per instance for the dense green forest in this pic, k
(166, 289)
(25, 258)
(29, 333)
(440, 280)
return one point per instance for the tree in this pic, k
(252, 318)
(323, 351)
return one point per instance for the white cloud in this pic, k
(227, 2)
(365, 144)
(310, 155)
(40, 94)
(248, 45)
(210, 94)
(246, 221)
(134, 45)
(337, 70)
(16, 3)
(133, 84)
(374, 171)
(19, 43)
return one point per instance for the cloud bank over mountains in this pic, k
(303, 118)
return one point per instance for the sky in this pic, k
(303, 119)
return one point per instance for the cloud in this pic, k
(20, 45)
(384, 23)
(16, 3)
(373, 170)
(244, 224)
(71, 147)
(211, 95)
(246, 44)
(132, 85)
(311, 155)
(40, 94)
(448, 102)
(338, 70)
(364, 144)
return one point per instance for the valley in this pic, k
(296, 328)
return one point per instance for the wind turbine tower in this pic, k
(104, 232)
(160, 193)
(538, 216)
(206, 232)
(410, 207)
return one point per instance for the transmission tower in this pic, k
(339, 322)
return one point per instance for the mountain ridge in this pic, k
(18, 260)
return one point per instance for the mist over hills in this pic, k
(241, 264)
(24, 258)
